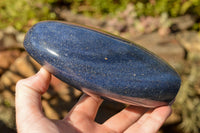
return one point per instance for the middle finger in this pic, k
(125, 118)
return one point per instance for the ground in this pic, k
(16, 64)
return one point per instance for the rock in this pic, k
(20, 37)
(190, 41)
(182, 23)
(21, 68)
(69, 16)
(7, 116)
(7, 58)
(49, 111)
(165, 47)
(102, 64)
(10, 38)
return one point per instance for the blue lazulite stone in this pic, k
(102, 64)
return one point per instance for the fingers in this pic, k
(28, 95)
(82, 115)
(125, 118)
(86, 107)
(151, 121)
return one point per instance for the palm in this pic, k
(30, 117)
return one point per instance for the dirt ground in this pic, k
(16, 64)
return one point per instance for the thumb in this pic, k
(28, 97)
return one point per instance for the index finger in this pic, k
(86, 107)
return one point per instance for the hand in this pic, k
(30, 117)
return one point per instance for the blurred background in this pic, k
(169, 28)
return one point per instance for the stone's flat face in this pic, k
(102, 64)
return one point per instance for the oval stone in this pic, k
(102, 64)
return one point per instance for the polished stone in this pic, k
(102, 64)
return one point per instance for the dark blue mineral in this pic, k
(102, 64)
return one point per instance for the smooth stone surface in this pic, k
(102, 64)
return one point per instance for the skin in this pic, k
(31, 119)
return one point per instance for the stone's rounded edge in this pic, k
(125, 99)
(28, 42)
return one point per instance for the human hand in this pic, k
(30, 117)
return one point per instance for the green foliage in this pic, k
(172, 7)
(24, 13)
(97, 7)
(143, 7)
